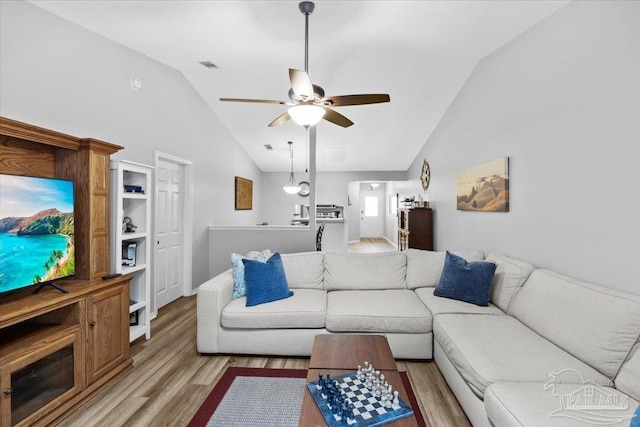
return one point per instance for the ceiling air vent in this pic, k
(209, 65)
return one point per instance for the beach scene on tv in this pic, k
(36, 230)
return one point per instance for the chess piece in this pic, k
(396, 401)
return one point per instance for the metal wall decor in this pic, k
(425, 175)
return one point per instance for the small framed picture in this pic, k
(133, 318)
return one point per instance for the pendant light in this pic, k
(291, 187)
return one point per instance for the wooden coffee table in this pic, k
(338, 354)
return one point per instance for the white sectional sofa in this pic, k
(544, 338)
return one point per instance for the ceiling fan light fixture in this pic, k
(307, 115)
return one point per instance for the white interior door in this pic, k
(371, 210)
(169, 232)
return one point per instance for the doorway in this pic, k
(371, 213)
(173, 221)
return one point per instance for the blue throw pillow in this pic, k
(265, 281)
(239, 288)
(465, 281)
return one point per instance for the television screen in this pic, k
(36, 231)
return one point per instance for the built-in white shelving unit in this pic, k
(131, 238)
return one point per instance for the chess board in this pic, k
(368, 410)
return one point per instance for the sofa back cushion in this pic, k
(345, 271)
(304, 270)
(424, 268)
(628, 379)
(595, 324)
(509, 277)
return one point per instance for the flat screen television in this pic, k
(36, 231)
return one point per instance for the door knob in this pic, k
(8, 391)
(93, 323)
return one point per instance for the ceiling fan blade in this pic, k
(300, 83)
(370, 98)
(260, 101)
(280, 120)
(336, 118)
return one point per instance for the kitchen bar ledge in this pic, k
(260, 227)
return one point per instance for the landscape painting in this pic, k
(36, 231)
(484, 187)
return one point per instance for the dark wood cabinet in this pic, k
(415, 229)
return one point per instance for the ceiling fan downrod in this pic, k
(306, 7)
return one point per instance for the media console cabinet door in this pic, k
(42, 379)
(108, 331)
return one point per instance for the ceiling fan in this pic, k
(308, 103)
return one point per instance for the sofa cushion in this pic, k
(393, 310)
(531, 404)
(465, 281)
(305, 309)
(595, 324)
(239, 285)
(385, 270)
(265, 281)
(510, 275)
(425, 267)
(304, 270)
(489, 349)
(438, 305)
(628, 379)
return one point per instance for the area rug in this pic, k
(260, 397)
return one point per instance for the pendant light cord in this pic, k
(291, 154)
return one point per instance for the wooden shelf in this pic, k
(25, 338)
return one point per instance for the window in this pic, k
(371, 206)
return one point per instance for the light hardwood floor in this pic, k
(371, 244)
(171, 379)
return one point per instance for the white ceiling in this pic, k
(419, 52)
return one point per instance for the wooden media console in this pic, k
(58, 350)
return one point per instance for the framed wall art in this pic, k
(485, 187)
(244, 194)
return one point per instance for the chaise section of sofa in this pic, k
(556, 329)
(542, 404)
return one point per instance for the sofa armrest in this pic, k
(213, 296)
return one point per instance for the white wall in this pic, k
(403, 189)
(562, 101)
(59, 76)
(225, 240)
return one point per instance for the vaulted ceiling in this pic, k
(419, 52)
